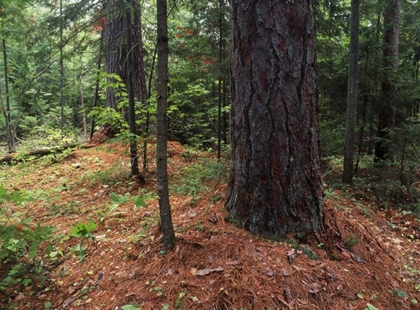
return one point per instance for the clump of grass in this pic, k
(352, 241)
(200, 177)
(117, 173)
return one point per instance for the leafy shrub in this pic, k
(21, 262)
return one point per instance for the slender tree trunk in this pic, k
(131, 104)
(82, 105)
(162, 123)
(275, 184)
(7, 110)
(220, 82)
(95, 96)
(146, 125)
(62, 120)
(351, 93)
(387, 107)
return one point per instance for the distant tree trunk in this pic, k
(82, 106)
(387, 107)
(146, 125)
(62, 101)
(95, 95)
(351, 93)
(116, 53)
(275, 184)
(6, 110)
(220, 82)
(162, 126)
(131, 104)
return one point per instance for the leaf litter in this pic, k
(215, 265)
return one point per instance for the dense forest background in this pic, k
(70, 73)
(56, 75)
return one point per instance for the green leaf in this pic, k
(139, 202)
(129, 307)
(26, 282)
(370, 307)
(401, 293)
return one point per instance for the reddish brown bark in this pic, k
(275, 183)
(116, 54)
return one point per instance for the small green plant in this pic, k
(199, 226)
(398, 292)
(116, 201)
(129, 307)
(118, 172)
(21, 261)
(352, 241)
(178, 301)
(155, 288)
(200, 177)
(83, 231)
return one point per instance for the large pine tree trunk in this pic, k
(275, 182)
(387, 107)
(116, 54)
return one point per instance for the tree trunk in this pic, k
(387, 107)
(6, 110)
(131, 104)
(275, 182)
(162, 126)
(351, 93)
(62, 101)
(95, 95)
(116, 53)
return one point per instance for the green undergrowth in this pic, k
(26, 250)
(200, 177)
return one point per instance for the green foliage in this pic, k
(116, 201)
(20, 258)
(117, 173)
(83, 231)
(398, 292)
(199, 177)
(370, 307)
(129, 307)
(105, 116)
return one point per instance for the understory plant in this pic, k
(26, 253)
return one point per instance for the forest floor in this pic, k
(373, 262)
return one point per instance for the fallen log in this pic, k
(18, 157)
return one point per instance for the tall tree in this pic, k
(275, 182)
(62, 103)
(131, 104)
(351, 93)
(116, 54)
(387, 107)
(162, 125)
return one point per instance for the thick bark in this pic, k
(162, 126)
(275, 182)
(351, 93)
(387, 108)
(116, 53)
